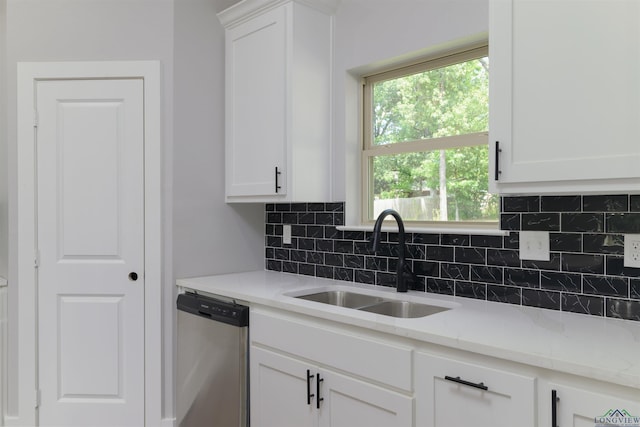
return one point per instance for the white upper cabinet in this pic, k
(565, 96)
(277, 101)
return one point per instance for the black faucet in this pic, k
(401, 284)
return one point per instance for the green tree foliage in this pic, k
(442, 102)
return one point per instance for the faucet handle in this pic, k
(409, 276)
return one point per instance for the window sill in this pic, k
(430, 230)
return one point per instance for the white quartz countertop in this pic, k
(593, 347)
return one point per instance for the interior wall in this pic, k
(83, 30)
(4, 224)
(369, 33)
(209, 236)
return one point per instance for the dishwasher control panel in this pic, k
(221, 311)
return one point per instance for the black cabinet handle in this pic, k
(497, 170)
(309, 394)
(319, 399)
(554, 408)
(278, 173)
(458, 380)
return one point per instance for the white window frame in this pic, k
(370, 151)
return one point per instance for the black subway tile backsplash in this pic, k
(615, 203)
(510, 221)
(521, 204)
(561, 203)
(542, 221)
(583, 263)
(505, 294)
(583, 304)
(582, 222)
(635, 288)
(568, 282)
(623, 223)
(541, 299)
(565, 242)
(585, 273)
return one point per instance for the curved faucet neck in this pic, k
(401, 285)
(378, 227)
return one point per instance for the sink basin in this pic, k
(404, 309)
(373, 304)
(343, 298)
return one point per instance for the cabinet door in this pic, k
(279, 391)
(490, 398)
(565, 94)
(348, 402)
(583, 408)
(256, 89)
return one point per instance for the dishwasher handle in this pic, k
(214, 309)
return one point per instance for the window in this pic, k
(425, 151)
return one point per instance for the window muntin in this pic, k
(425, 141)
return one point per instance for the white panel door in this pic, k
(90, 237)
(279, 391)
(348, 402)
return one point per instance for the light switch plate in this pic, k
(632, 250)
(286, 234)
(534, 245)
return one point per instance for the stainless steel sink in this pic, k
(373, 304)
(404, 309)
(343, 298)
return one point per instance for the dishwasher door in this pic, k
(212, 378)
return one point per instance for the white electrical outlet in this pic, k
(286, 234)
(534, 245)
(632, 250)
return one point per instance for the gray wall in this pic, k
(4, 224)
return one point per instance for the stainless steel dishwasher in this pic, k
(212, 378)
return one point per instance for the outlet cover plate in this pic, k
(534, 245)
(632, 250)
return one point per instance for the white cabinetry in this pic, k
(452, 393)
(565, 96)
(580, 405)
(316, 373)
(303, 375)
(277, 101)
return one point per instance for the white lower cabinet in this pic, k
(352, 403)
(307, 373)
(279, 391)
(450, 393)
(289, 392)
(580, 405)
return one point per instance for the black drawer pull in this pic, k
(554, 408)
(497, 162)
(309, 394)
(278, 173)
(458, 380)
(318, 399)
